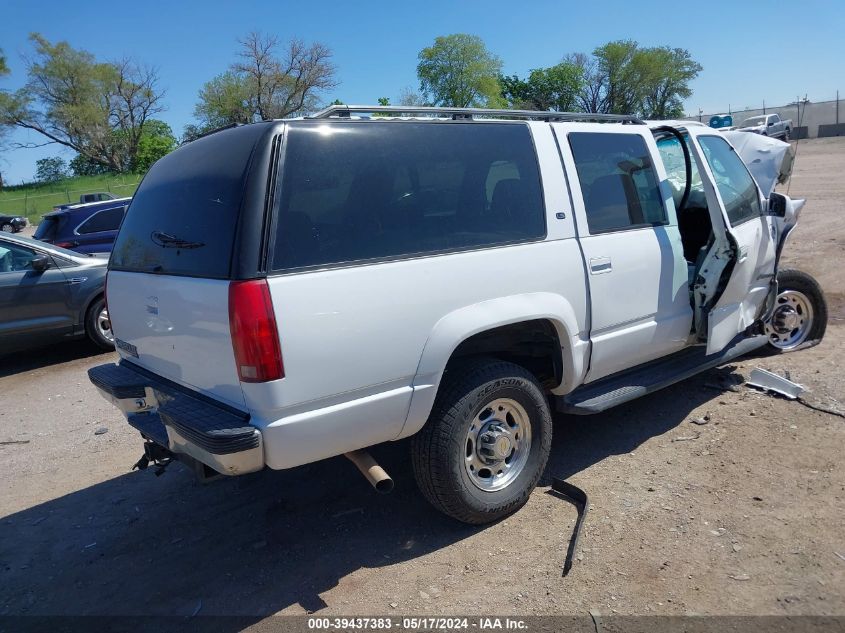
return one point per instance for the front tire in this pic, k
(486, 442)
(98, 325)
(7, 228)
(799, 319)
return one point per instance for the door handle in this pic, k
(599, 265)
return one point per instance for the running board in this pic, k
(624, 386)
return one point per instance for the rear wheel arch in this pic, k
(468, 331)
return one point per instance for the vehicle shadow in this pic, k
(581, 441)
(40, 357)
(251, 546)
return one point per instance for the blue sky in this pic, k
(750, 50)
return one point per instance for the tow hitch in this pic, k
(156, 454)
(162, 457)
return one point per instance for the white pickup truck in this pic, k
(288, 291)
(768, 125)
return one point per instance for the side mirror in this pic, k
(771, 123)
(777, 205)
(40, 263)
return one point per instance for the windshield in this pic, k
(753, 121)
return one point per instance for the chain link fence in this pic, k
(35, 203)
(810, 119)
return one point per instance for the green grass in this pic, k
(34, 200)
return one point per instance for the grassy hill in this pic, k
(35, 199)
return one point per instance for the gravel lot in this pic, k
(742, 515)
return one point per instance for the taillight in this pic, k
(255, 337)
(63, 244)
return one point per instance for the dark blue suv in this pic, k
(84, 228)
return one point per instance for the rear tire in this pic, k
(486, 442)
(799, 319)
(98, 325)
(7, 228)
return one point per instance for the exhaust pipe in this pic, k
(374, 473)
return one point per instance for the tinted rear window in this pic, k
(105, 220)
(369, 190)
(183, 217)
(47, 228)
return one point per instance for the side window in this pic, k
(618, 181)
(15, 258)
(736, 186)
(355, 191)
(107, 220)
(672, 155)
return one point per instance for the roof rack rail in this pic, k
(345, 111)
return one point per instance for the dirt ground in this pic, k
(742, 515)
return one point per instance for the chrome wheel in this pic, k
(7, 228)
(497, 444)
(104, 325)
(791, 320)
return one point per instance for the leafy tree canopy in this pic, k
(459, 71)
(97, 108)
(50, 169)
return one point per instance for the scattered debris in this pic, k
(90, 545)
(197, 609)
(842, 556)
(39, 520)
(7, 442)
(578, 498)
(393, 605)
(101, 430)
(757, 498)
(684, 438)
(739, 577)
(736, 547)
(772, 383)
(768, 381)
(701, 421)
(820, 407)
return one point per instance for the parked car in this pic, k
(87, 198)
(49, 294)
(288, 291)
(768, 125)
(85, 228)
(12, 223)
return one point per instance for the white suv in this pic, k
(287, 291)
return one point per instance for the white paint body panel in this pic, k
(638, 278)
(180, 326)
(365, 346)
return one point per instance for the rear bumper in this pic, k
(180, 420)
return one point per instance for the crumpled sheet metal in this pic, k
(769, 160)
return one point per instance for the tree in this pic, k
(459, 71)
(156, 141)
(50, 169)
(666, 84)
(263, 84)
(623, 78)
(410, 97)
(99, 109)
(83, 166)
(555, 88)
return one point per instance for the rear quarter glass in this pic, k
(375, 190)
(183, 218)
